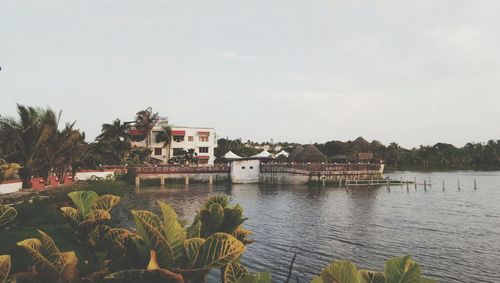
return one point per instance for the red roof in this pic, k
(136, 132)
(178, 133)
(203, 133)
(203, 157)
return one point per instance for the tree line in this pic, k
(36, 143)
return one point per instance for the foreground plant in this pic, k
(50, 265)
(397, 270)
(182, 255)
(7, 214)
(87, 220)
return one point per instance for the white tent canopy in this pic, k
(263, 154)
(282, 153)
(231, 155)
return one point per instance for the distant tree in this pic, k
(145, 121)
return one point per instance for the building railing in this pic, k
(173, 169)
(315, 168)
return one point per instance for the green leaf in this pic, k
(193, 231)
(233, 271)
(340, 272)
(50, 251)
(7, 214)
(368, 276)
(218, 250)
(263, 277)
(42, 264)
(84, 202)
(233, 218)
(191, 247)
(174, 233)
(5, 265)
(71, 214)
(402, 270)
(151, 229)
(211, 220)
(220, 200)
(106, 202)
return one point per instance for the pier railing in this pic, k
(316, 168)
(180, 169)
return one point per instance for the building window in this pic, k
(178, 138)
(242, 167)
(203, 138)
(251, 167)
(157, 150)
(203, 149)
(190, 138)
(202, 161)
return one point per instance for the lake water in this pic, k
(454, 234)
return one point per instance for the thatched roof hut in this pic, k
(360, 143)
(295, 152)
(311, 154)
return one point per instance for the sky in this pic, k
(412, 72)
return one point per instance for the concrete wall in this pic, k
(10, 187)
(87, 175)
(245, 171)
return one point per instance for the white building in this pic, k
(202, 140)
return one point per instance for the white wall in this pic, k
(245, 171)
(10, 187)
(84, 176)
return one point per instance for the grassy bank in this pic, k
(43, 213)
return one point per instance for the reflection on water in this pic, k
(452, 233)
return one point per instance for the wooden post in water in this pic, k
(425, 184)
(458, 185)
(407, 185)
(415, 182)
(475, 185)
(443, 185)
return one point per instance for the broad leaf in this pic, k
(7, 214)
(233, 271)
(42, 264)
(191, 247)
(264, 277)
(220, 200)
(193, 231)
(218, 250)
(50, 250)
(69, 271)
(106, 202)
(84, 202)
(71, 214)
(5, 265)
(145, 276)
(340, 272)
(211, 220)
(174, 233)
(233, 218)
(372, 276)
(402, 270)
(151, 229)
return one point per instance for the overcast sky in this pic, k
(414, 72)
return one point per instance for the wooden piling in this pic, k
(425, 184)
(475, 185)
(443, 186)
(458, 185)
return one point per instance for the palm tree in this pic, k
(145, 121)
(26, 137)
(114, 141)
